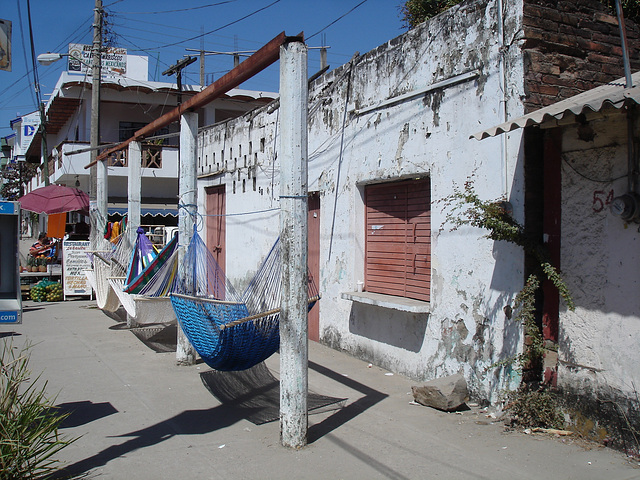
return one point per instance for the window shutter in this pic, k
(398, 239)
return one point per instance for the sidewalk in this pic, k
(142, 417)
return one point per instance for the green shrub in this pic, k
(535, 408)
(28, 420)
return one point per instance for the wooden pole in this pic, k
(294, 342)
(185, 353)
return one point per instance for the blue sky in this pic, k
(157, 30)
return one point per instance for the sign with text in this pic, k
(8, 208)
(74, 262)
(114, 60)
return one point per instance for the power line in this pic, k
(24, 50)
(336, 20)
(178, 10)
(224, 26)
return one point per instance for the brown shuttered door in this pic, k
(215, 205)
(398, 240)
(314, 261)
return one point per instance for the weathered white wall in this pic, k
(473, 278)
(600, 260)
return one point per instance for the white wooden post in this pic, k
(294, 343)
(134, 194)
(185, 354)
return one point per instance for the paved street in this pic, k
(139, 416)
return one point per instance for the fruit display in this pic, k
(47, 290)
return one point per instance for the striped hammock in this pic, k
(146, 264)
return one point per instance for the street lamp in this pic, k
(49, 58)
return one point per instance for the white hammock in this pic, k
(141, 308)
(106, 298)
(107, 262)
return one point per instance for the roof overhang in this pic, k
(71, 89)
(612, 95)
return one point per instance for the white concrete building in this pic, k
(127, 103)
(389, 139)
(391, 128)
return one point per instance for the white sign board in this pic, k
(114, 60)
(74, 262)
(28, 127)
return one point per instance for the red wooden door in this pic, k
(313, 261)
(215, 225)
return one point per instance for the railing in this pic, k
(151, 157)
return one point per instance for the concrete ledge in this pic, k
(388, 301)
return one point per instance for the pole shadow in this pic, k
(189, 422)
(344, 415)
(83, 412)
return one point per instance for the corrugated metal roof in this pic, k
(613, 94)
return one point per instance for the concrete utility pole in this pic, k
(185, 353)
(134, 189)
(202, 55)
(98, 194)
(134, 194)
(294, 343)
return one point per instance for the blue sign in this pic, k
(9, 317)
(7, 208)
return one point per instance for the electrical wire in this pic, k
(4, 94)
(336, 20)
(591, 179)
(24, 50)
(33, 57)
(178, 10)
(223, 26)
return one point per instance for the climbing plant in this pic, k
(414, 12)
(465, 208)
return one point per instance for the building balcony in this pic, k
(159, 170)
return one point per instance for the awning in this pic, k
(613, 94)
(150, 209)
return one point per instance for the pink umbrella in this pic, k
(55, 199)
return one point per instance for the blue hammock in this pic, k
(230, 331)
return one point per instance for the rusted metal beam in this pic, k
(250, 67)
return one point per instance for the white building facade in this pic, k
(391, 127)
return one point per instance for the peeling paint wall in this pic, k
(352, 144)
(600, 260)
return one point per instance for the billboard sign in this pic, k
(114, 60)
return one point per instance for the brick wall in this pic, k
(571, 46)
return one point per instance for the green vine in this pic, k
(465, 208)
